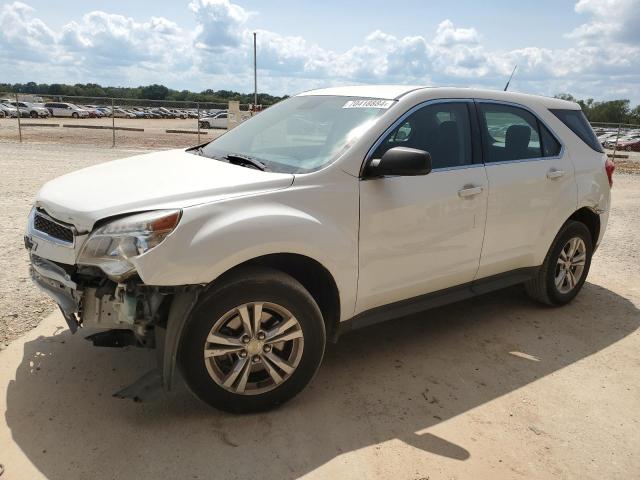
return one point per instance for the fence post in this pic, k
(616, 145)
(198, 120)
(113, 125)
(19, 124)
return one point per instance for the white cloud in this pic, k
(612, 20)
(220, 23)
(447, 34)
(604, 59)
(23, 36)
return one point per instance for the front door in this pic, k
(423, 234)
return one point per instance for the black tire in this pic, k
(33, 114)
(543, 287)
(244, 286)
(75, 115)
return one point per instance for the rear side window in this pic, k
(577, 122)
(509, 133)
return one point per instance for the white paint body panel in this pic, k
(417, 235)
(382, 240)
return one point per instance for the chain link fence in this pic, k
(122, 122)
(619, 137)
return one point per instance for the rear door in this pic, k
(422, 234)
(532, 187)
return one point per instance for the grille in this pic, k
(53, 229)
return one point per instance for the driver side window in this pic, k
(442, 129)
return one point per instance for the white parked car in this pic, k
(59, 109)
(7, 110)
(219, 120)
(33, 110)
(332, 210)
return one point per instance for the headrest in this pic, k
(518, 137)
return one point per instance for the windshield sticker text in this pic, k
(368, 104)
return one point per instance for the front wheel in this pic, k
(565, 267)
(252, 342)
(75, 115)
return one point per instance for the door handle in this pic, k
(469, 191)
(553, 173)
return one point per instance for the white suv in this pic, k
(58, 109)
(334, 209)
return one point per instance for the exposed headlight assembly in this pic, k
(111, 246)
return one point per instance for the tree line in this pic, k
(612, 111)
(146, 92)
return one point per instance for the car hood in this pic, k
(167, 179)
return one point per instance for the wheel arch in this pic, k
(590, 219)
(312, 275)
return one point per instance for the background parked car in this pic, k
(33, 110)
(59, 109)
(631, 145)
(217, 121)
(122, 113)
(8, 111)
(93, 111)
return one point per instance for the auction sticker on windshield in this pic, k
(368, 104)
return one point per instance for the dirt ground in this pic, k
(495, 387)
(153, 137)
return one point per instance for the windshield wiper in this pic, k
(243, 160)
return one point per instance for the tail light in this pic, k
(609, 167)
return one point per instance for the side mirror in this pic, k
(400, 161)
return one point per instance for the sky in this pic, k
(589, 48)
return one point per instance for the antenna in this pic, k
(506, 87)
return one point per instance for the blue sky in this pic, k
(590, 48)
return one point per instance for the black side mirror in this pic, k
(400, 161)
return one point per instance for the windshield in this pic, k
(301, 134)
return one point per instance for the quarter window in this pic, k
(441, 129)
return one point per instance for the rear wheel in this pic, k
(565, 267)
(253, 342)
(75, 115)
(33, 114)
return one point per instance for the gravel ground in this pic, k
(23, 173)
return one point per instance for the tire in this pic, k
(33, 114)
(543, 287)
(75, 115)
(628, 149)
(2, 114)
(283, 301)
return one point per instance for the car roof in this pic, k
(394, 92)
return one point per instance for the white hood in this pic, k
(168, 179)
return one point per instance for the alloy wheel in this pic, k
(253, 348)
(570, 265)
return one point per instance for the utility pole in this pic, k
(255, 73)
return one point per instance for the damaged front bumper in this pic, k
(56, 282)
(130, 314)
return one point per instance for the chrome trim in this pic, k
(31, 230)
(457, 167)
(537, 117)
(52, 271)
(401, 119)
